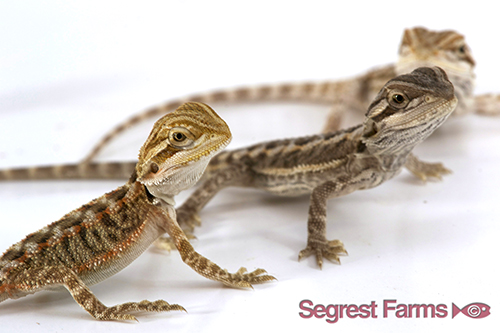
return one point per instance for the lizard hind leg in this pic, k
(230, 175)
(60, 275)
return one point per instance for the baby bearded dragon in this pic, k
(102, 237)
(404, 113)
(419, 47)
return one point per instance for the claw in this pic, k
(118, 312)
(242, 279)
(329, 250)
(424, 170)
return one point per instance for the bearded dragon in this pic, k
(403, 114)
(102, 237)
(419, 47)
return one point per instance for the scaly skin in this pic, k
(102, 237)
(404, 113)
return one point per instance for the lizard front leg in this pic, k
(188, 213)
(424, 170)
(41, 278)
(204, 266)
(487, 104)
(317, 243)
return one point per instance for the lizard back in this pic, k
(294, 166)
(113, 225)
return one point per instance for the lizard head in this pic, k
(447, 49)
(179, 147)
(407, 110)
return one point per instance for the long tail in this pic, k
(317, 92)
(103, 170)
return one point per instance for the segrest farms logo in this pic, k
(473, 310)
(390, 308)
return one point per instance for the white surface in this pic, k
(69, 71)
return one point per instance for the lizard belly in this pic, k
(303, 183)
(293, 183)
(121, 255)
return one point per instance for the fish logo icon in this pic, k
(473, 310)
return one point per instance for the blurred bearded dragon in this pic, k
(419, 47)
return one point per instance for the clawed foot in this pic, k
(119, 312)
(431, 170)
(242, 279)
(188, 219)
(329, 250)
(425, 170)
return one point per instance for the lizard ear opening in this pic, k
(154, 168)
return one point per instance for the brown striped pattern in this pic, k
(103, 170)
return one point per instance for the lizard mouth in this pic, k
(441, 110)
(164, 176)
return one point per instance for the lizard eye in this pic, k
(180, 137)
(463, 53)
(397, 99)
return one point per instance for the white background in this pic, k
(71, 70)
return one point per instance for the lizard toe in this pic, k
(120, 312)
(329, 250)
(242, 279)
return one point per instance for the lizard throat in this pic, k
(176, 180)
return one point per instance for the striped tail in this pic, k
(111, 170)
(317, 92)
